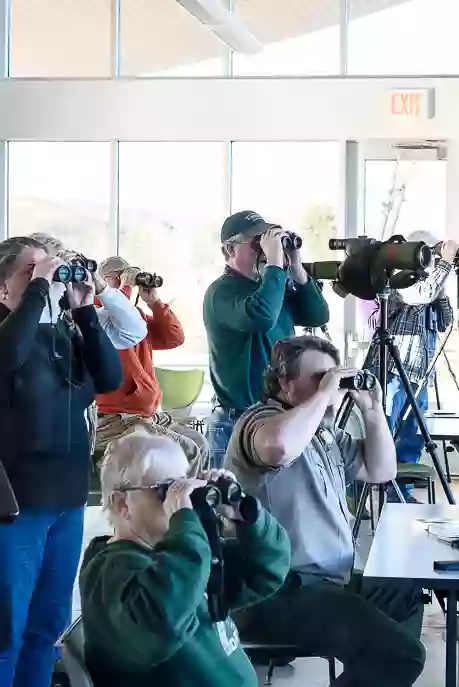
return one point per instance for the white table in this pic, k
(403, 550)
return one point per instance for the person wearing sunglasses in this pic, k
(145, 609)
(263, 294)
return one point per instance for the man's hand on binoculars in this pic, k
(149, 296)
(46, 268)
(271, 245)
(81, 294)
(299, 274)
(368, 400)
(448, 251)
(127, 277)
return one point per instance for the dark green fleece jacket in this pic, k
(244, 319)
(145, 613)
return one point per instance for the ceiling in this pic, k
(71, 38)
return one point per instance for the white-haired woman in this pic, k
(143, 590)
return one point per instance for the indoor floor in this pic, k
(312, 672)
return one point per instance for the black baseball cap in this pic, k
(246, 222)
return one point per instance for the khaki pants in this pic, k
(194, 445)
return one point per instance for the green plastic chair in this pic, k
(71, 645)
(180, 389)
(417, 474)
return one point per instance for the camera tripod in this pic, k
(384, 340)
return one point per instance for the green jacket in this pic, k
(145, 614)
(243, 319)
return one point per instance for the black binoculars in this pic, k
(75, 270)
(222, 492)
(362, 381)
(291, 241)
(148, 280)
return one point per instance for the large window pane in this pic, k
(300, 38)
(402, 197)
(297, 185)
(403, 37)
(172, 206)
(60, 38)
(160, 38)
(62, 189)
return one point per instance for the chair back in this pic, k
(71, 645)
(180, 389)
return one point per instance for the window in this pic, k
(297, 185)
(62, 189)
(172, 206)
(403, 37)
(160, 38)
(300, 38)
(60, 38)
(401, 197)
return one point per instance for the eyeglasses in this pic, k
(142, 487)
(160, 487)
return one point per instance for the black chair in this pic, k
(279, 655)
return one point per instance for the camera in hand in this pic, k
(75, 270)
(148, 280)
(222, 492)
(362, 381)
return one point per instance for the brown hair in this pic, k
(286, 358)
(11, 249)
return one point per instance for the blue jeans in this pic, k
(219, 433)
(409, 443)
(39, 556)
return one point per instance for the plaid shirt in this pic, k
(415, 315)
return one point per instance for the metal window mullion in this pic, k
(115, 72)
(343, 36)
(5, 61)
(350, 212)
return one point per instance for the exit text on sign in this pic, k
(415, 103)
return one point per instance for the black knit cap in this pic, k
(246, 222)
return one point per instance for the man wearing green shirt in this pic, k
(145, 609)
(262, 295)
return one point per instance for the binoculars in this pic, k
(222, 492)
(75, 270)
(362, 381)
(291, 241)
(148, 280)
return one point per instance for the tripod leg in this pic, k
(360, 509)
(437, 399)
(429, 444)
(398, 491)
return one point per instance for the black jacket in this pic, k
(49, 375)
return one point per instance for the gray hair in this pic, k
(421, 235)
(51, 242)
(11, 249)
(113, 264)
(233, 241)
(128, 460)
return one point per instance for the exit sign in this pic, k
(413, 103)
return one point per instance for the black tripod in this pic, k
(384, 339)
